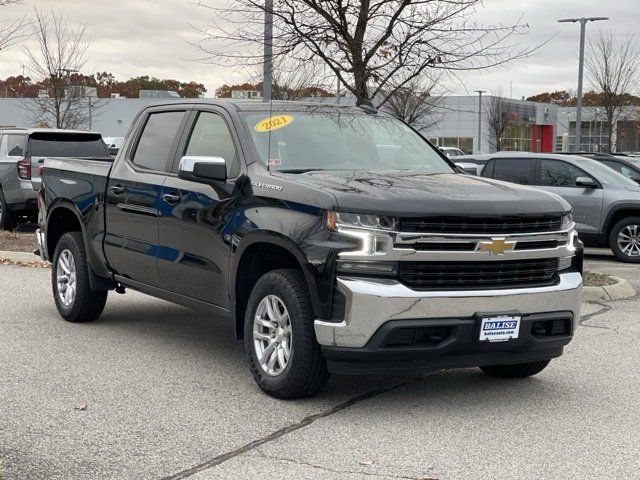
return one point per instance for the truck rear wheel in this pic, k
(520, 370)
(624, 240)
(279, 338)
(75, 300)
(8, 219)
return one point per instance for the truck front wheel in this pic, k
(520, 370)
(75, 300)
(284, 356)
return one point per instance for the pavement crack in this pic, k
(605, 308)
(332, 470)
(305, 422)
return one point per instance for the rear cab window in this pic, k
(74, 145)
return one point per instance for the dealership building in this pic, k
(456, 121)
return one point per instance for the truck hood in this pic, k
(414, 194)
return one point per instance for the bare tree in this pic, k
(11, 31)
(497, 119)
(613, 65)
(416, 102)
(373, 46)
(291, 81)
(60, 52)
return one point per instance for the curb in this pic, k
(618, 291)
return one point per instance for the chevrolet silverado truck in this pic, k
(336, 239)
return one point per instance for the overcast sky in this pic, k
(151, 37)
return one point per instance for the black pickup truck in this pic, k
(337, 239)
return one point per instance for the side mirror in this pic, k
(203, 169)
(586, 182)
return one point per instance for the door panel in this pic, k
(559, 177)
(194, 254)
(134, 194)
(193, 257)
(132, 207)
(586, 203)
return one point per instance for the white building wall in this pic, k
(111, 117)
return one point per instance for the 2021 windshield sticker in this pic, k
(273, 123)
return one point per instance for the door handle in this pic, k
(171, 197)
(117, 189)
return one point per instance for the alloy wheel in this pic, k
(629, 240)
(272, 339)
(66, 278)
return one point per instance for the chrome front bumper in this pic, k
(370, 303)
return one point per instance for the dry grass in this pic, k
(592, 279)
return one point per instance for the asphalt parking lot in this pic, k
(168, 395)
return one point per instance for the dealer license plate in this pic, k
(501, 328)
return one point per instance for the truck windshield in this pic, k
(67, 145)
(332, 139)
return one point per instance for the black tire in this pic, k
(306, 370)
(613, 240)
(87, 304)
(520, 370)
(8, 220)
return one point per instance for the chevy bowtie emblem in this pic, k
(496, 246)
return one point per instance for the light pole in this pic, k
(480, 92)
(268, 50)
(583, 22)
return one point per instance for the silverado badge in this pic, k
(496, 246)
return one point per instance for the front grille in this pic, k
(538, 245)
(471, 246)
(476, 275)
(481, 225)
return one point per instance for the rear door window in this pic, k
(67, 145)
(155, 147)
(515, 170)
(16, 145)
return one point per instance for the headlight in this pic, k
(335, 220)
(567, 220)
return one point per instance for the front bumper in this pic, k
(376, 308)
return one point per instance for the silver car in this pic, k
(22, 153)
(606, 204)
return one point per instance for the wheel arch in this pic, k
(64, 217)
(617, 213)
(259, 253)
